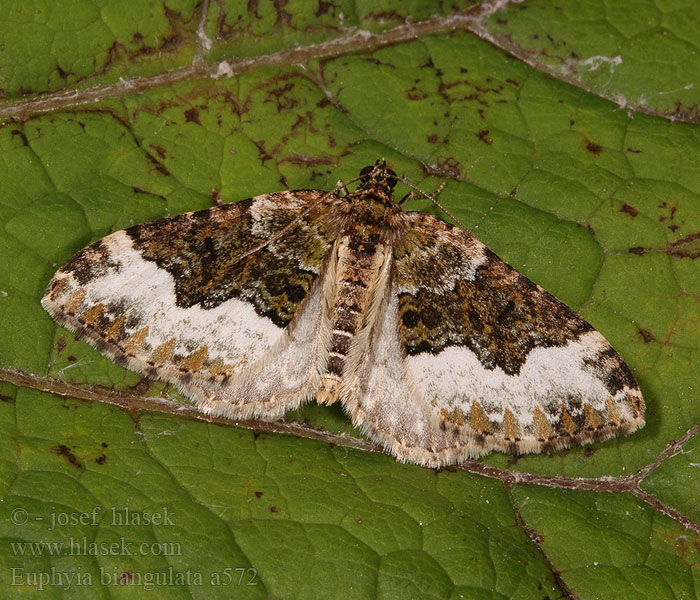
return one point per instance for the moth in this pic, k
(436, 348)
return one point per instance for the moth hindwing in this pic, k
(435, 347)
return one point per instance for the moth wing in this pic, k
(205, 299)
(467, 355)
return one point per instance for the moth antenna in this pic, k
(433, 200)
(343, 184)
(339, 186)
(289, 226)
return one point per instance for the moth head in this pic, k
(378, 174)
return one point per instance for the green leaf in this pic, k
(48, 47)
(116, 115)
(640, 54)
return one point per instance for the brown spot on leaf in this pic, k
(646, 336)
(634, 150)
(258, 494)
(448, 166)
(483, 136)
(60, 344)
(432, 138)
(264, 154)
(159, 150)
(65, 452)
(686, 247)
(637, 250)
(282, 97)
(592, 147)
(192, 116)
(4, 398)
(628, 209)
(382, 16)
(325, 7)
(162, 169)
(415, 93)
(684, 112)
(21, 136)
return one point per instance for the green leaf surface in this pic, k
(642, 54)
(49, 46)
(596, 204)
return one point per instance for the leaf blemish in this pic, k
(686, 247)
(65, 452)
(159, 149)
(646, 336)
(593, 148)
(21, 136)
(483, 136)
(629, 210)
(192, 116)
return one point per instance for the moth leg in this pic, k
(340, 186)
(439, 188)
(411, 195)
